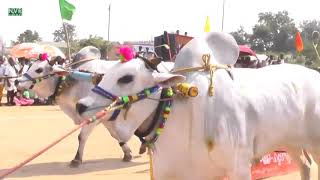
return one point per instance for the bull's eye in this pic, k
(125, 79)
(39, 70)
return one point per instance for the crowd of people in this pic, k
(247, 62)
(10, 68)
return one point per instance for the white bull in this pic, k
(69, 96)
(76, 90)
(257, 111)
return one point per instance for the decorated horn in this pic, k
(53, 61)
(163, 45)
(96, 78)
(156, 61)
(147, 62)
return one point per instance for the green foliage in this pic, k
(59, 34)
(309, 52)
(241, 36)
(307, 27)
(27, 36)
(275, 33)
(98, 42)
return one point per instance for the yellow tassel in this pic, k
(151, 163)
(211, 91)
(210, 145)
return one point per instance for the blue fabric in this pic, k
(82, 76)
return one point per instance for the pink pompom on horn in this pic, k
(43, 57)
(126, 54)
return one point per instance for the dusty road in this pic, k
(25, 130)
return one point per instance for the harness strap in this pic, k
(155, 119)
(57, 89)
(123, 101)
(104, 93)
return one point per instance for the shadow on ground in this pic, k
(62, 168)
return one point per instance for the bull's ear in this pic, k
(224, 47)
(167, 79)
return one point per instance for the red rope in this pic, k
(99, 115)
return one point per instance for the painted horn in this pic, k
(53, 61)
(156, 61)
(96, 78)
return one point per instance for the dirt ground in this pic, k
(25, 130)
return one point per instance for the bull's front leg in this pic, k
(125, 148)
(82, 139)
(127, 152)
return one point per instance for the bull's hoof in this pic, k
(143, 148)
(127, 158)
(75, 163)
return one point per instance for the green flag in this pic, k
(66, 9)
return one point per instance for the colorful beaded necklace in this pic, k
(163, 117)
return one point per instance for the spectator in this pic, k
(24, 65)
(272, 60)
(23, 99)
(280, 59)
(2, 70)
(10, 71)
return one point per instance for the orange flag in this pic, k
(299, 42)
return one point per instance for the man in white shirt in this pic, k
(2, 70)
(10, 71)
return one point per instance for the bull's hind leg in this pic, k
(82, 139)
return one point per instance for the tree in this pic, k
(59, 34)
(241, 36)
(307, 28)
(274, 32)
(98, 42)
(27, 36)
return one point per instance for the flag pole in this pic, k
(224, 1)
(107, 54)
(66, 11)
(109, 22)
(67, 37)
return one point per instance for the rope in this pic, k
(81, 61)
(9, 77)
(13, 169)
(211, 68)
(98, 116)
(151, 164)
